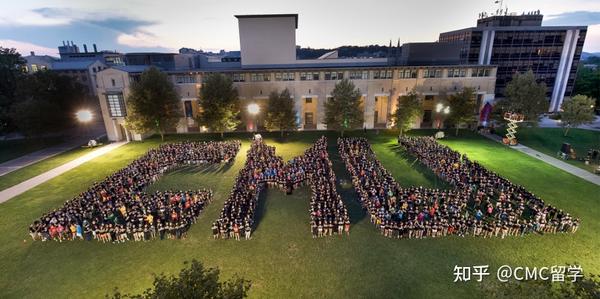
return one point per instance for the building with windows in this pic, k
(35, 63)
(268, 63)
(518, 43)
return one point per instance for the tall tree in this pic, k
(526, 96)
(11, 64)
(463, 108)
(280, 114)
(407, 111)
(153, 104)
(46, 103)
(219, 104)
(577, 111)
(343, 110)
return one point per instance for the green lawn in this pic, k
(11, 149)
(550, 140)
(15, 177)
(282, 260)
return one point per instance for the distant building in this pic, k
(35, 63)
(518, 43)
(267, 62)
(83, 72)
(70, 51)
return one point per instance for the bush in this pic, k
(194, 281)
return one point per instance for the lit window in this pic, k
(116, 105)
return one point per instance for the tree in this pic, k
(407, 111)
(219, 104)
(153, 104)
(588, 83)
(343, 110)
(280, 114)
(463, 107)
(193, 282)
(46, 103)
(524, 95)
(11, 64)
(577, 111)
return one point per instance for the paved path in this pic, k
(26, 160)
(576, 171)
(28, 184)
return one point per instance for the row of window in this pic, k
(339, 75)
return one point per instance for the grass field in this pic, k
(27, 172)
(11, 149)
(550, 140)
(282, 260)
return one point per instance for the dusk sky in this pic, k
(136, 25)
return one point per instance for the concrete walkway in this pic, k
(574, 170)
(33, 182)
(26, 160)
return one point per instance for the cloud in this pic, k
(139, 39)
(574, 18)
(24, 47)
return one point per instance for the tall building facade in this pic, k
(518, 43)
(274, 68)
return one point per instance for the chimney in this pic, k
(95, 49)
(32, 53)
(85, 48)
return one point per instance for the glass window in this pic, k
(116, 105)
(34, 68)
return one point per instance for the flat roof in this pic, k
(295, 16)
(518, 28)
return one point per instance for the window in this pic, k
(116, 105)
(308, 118)
(480, 72)
(188, 108)
(43, 67)
(286, 76)
(429, 97)
(382, 74)
(258, 77)
(113, 82)
(238, 77)
(34, 68)
(185, 79)
(432, 73)
(407, 74)
(364, 75)
(308, 100)
(25, 69)
(307, 76)
(334, 75)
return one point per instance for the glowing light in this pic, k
(447, 110)
(439, 107)
(253, 109)
(84, 116)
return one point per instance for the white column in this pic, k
(564, 69)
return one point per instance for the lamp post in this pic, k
(439, 110)
(254, 109)
(84, 116)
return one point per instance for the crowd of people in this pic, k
(265, 169)
(481, 202)
(117, 209)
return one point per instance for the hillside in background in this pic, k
(345, 52)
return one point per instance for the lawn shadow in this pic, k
(261, 208)
(416, 165)
(344, 184)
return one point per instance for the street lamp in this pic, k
(254, 109)
(441, 109)
(84, 116)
